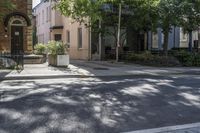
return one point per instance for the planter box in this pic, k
(59, 60)
(62, 60)
(34, 59)
(52, 60)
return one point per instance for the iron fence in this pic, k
(17, 56)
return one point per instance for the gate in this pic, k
(17, 56)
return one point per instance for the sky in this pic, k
(35, 2)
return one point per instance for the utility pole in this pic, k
(119, 32)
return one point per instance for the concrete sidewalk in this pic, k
(39, 71)
(79, 68)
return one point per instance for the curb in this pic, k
(168, 129)
(21, 77)
(76, 76)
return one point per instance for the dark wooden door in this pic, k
(16, 39)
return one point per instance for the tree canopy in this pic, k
(144, 15)
(5, 6)
(95, 10)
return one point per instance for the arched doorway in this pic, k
(16, 24)
(17, 36)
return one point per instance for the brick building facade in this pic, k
(16, 29)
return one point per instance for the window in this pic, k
(39, 20)
(58, 37)
(17, 22)
(47, 14)
(155, 41)
(68, 36)
(183, 36)
(43, 16)
(80, 38)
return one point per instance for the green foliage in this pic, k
(89, 11)
(81, 10)
(5, 6)
(56, 48)
(40, 49)
(190, 15)
(147, 58)
(187, 58)
(196, 61)
(144, 15)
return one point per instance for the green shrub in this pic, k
(187, 58)
(56, 48)
(40, 49)
(147, 58)
(196, 61)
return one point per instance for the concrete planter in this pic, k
(52, 60)
(58, 60)
(34, 59)
(62, 60)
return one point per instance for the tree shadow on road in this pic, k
(3, 73)
(97, 105)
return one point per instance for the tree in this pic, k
(190, 18)
(145, 16)
(140, 14)
(82, 11)
(5, 6)
(169, 13)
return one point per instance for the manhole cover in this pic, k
(100, 68)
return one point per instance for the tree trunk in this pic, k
(165, 45)
(147, 40)
(190, 41)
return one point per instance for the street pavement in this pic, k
(99, 97)
(98, 104)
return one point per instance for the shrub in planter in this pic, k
(57, 54)
(41, 49)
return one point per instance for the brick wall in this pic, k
(25, 7)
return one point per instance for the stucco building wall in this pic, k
(59, 24)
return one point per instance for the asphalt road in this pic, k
(98, 105)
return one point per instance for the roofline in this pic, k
(42, 1)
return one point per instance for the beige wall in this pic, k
(44, 33)
(74, 51)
